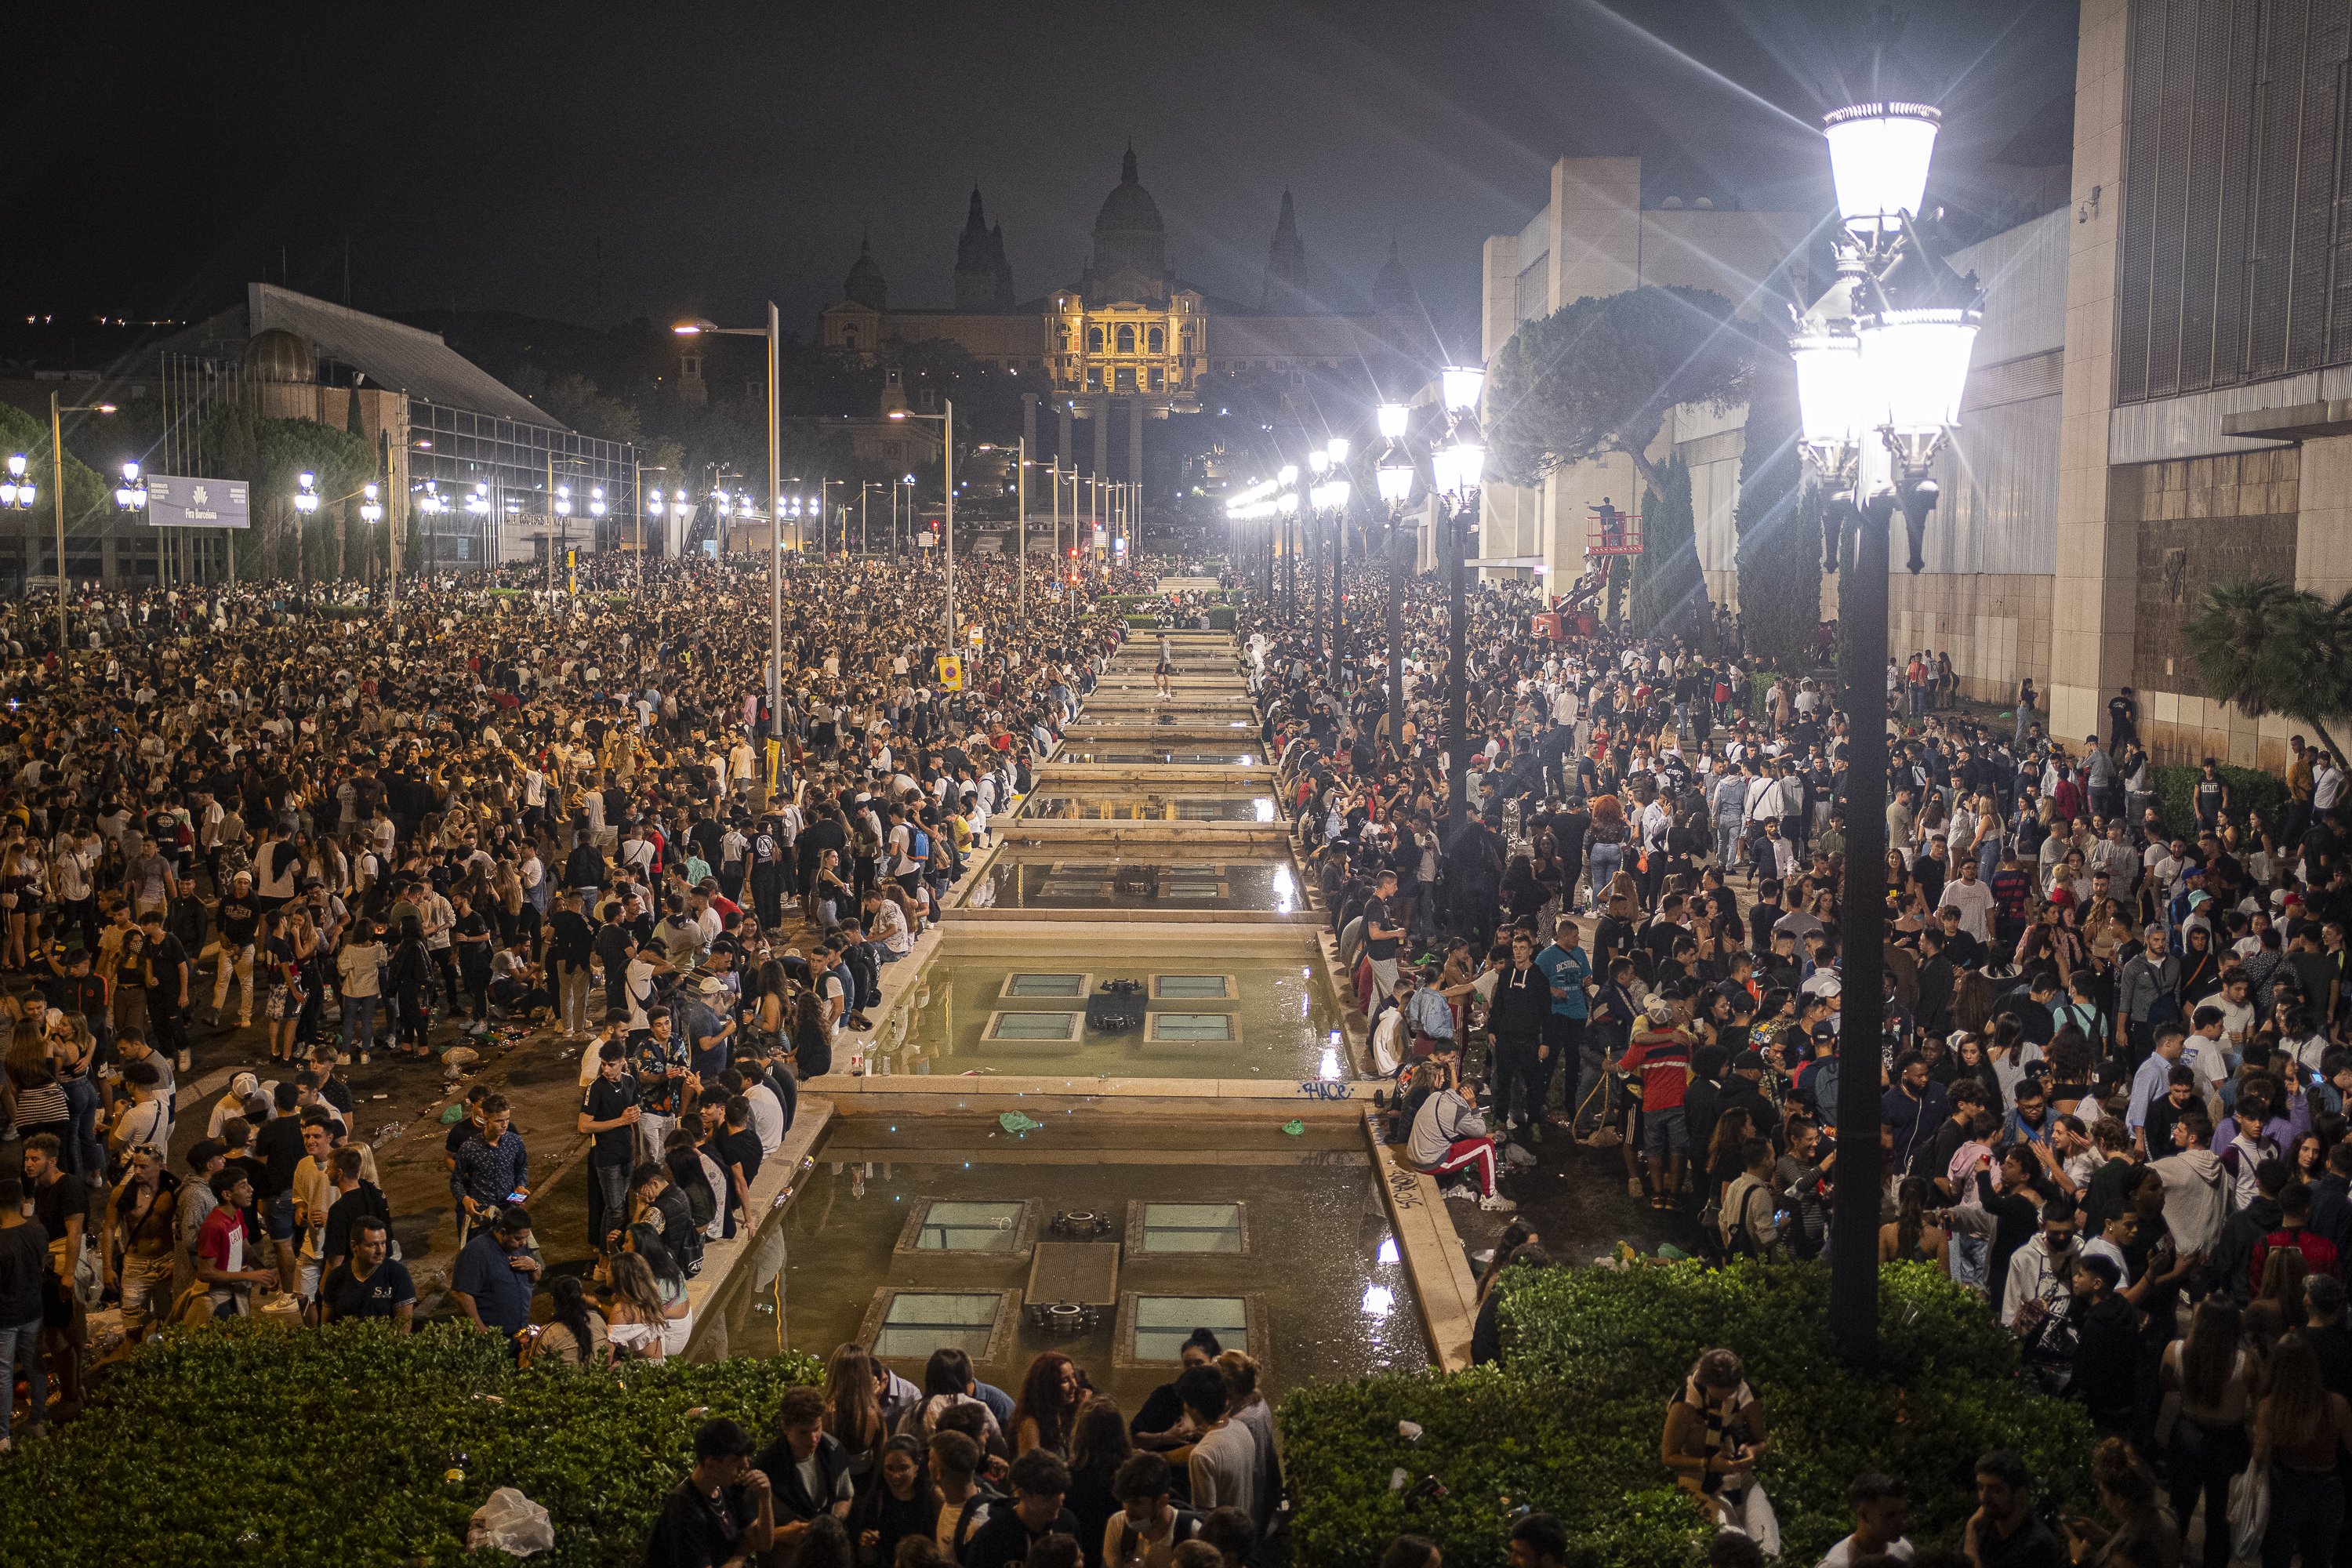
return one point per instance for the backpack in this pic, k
(918, 846)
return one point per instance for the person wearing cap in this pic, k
(1661, 1053)
(238, 919)
(709, 1028)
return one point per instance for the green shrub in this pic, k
(257, 1445)
(507, 593)
(1221, 618)
(1759, 689)
(1570, 1424)
(2250, 790)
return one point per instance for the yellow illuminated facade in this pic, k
(1130, 347)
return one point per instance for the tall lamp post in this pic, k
(1456, 463)
(1881, 360)
(1393, 474)
(773, 332)
(947, 514)
(1328, 500)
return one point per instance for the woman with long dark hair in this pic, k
(1910, 1239)
(1052, 1395)
(1100, 1445)
(2208, 1378)
(852, 1411)
(574, 1335)
(903, 1505)
(2302, 1434)
(669, 1279)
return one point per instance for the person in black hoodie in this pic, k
(2227, 1270)
(1039, 1481)
(1702, 1098)
(1515, 1018)
(657, 1201)
(1743, 1087)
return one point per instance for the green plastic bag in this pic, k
(1013, 1121)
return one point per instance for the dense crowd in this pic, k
(2112, 1073)
(2113, 1067)
(391, 829)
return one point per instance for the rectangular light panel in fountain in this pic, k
(1157, 1228)
(1193, 988)
(1173, 1027)
(1066, 987)
(1156, 1327)
(948, 1227)
(1033, 1026)
(914, 1323)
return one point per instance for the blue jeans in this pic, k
(1606, 860)
(25, 1338)
(359, 1023)
(1970, 1255)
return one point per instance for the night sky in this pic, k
(596, 163)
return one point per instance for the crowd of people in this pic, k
(873, 1469)
(233, 818)
(2113, 1072)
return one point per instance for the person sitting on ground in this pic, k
(1449, 1134)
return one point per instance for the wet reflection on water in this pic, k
(1237, 1199)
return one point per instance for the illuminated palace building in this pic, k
(1129, 337)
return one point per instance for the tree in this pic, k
(1777, 519)
(88, 497)
(1669, 590)
(2266, 648)
(1600, 375)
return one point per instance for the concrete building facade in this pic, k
(2160, 399)
(1592, 237)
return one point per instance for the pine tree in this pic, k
(1669, 590)
(1778, 520)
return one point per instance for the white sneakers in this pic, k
(1495, 1203)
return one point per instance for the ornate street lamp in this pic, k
(1881, 359)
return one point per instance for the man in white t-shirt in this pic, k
(1880, 1511)
(1972, 898)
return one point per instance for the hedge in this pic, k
(2250, 790)
(1570, 1423)
(258, 1445)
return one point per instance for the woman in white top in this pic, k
(669, 1283)
(636, 1325)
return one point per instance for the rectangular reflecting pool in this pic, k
(1037, 1007)
(1092, 1235)
(1088, 806)
(1080, 877)
(1243, 753)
